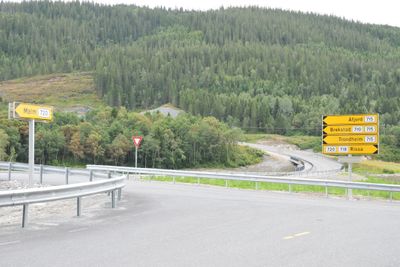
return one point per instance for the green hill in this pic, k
(260, 69)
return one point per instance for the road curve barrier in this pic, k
(112, 185)
(290, 180)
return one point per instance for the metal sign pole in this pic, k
(31, 151)
(349, 192)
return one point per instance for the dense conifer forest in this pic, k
(262, 70)
(251, 67)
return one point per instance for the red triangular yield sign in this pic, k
(137, 140)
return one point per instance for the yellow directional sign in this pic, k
(350, 119)
(350, 149)
(350, 139)
(350, 129)
(36, 112)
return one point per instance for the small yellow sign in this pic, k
(350, 149)
(350, 119)
(36, 112)
(351, 139)
(350, 129)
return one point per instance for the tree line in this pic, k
(104, 137)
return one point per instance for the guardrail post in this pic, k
(198, 180)
(290, 188)
(113, 199)
(66, 175)
(226, 183)
(326, 191)
(256, 185)
(127, 175)
(9, 170)
(119, 194)
(109, 175)
(78, 206)
(173, 179)
(41, 174)
(391, 196)
(24, 215)
(91, 176)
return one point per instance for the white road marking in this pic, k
(77, 230)
(10, 243)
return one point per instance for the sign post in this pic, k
(136, 141)
(31, 151)
(31, 113)
(348, 135)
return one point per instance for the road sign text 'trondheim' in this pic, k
(350, 134)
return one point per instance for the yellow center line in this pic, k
(295, 235)
(288, 237)
(303, 233)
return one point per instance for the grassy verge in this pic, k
(376, 167)
(341, 192)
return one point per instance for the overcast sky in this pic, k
(368, 11)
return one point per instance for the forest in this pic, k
(259, 69)
(104, 137)
(255, 68)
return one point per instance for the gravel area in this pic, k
(16, 184)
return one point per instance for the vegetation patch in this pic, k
(64, 91)
(376, 167)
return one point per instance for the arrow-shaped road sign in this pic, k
(350, 129)
(350, 149)
(350, 119)
(137, 140)
(35, 112)
(351, 139)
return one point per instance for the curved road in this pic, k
(161, 224)
(319, 163)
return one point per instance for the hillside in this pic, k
(67, 92)
(261, 69)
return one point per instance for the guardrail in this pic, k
(252, 178)
(24, 197)
(43, 169)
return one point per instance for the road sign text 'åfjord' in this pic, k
(350, 134)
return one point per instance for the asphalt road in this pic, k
(319, 163)
(162, 224)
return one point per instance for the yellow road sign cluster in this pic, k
(350, 134)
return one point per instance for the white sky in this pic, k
(368, 11)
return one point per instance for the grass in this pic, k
(376, 167)
(280, 187)
(305, 142)
(64, 91)
(302, 141)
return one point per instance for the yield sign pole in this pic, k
(135, 156)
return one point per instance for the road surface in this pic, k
(162, 224)
(316, 164)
